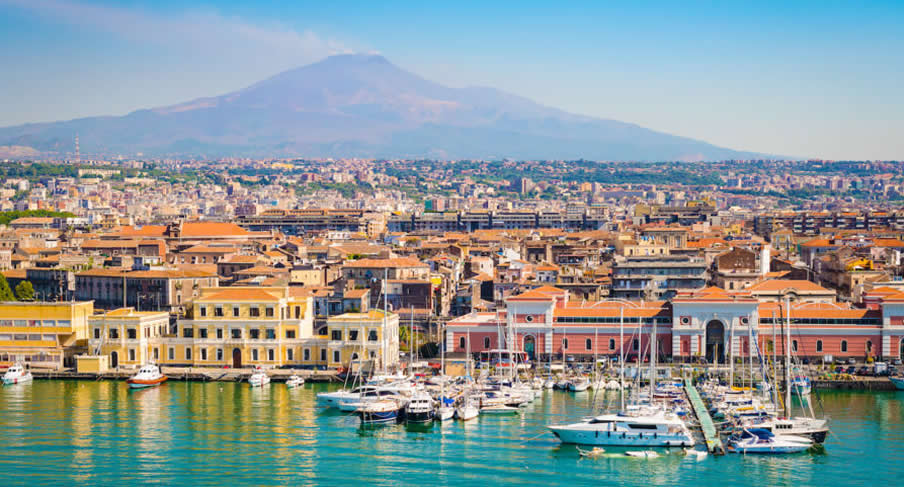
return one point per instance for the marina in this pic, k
(101, 432)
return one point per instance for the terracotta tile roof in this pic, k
(356, 293)
(229, 295)
(887, 242)
(776, 285)
(818, 242)
(383, 263)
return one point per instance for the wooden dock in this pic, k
(713, 442)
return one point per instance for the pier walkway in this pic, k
(713, 442)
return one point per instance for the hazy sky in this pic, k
(803, 78)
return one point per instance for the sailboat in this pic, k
(444, 410)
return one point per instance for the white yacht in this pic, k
(294, 381)
(148, 376)
(420, 408)
(815, 429)
(620, 430)
(17, 374)
(259, 379)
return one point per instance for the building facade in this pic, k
(42, 334)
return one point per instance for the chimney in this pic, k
(765, 258)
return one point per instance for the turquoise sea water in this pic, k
(68, 432)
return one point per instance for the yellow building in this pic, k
(128, 337)
(241, 326)
(43, 334)
(357, 337)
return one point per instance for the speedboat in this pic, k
(378, 412)
(659, 430)
(148, 376)
(420, 408)
(815, 429)
(259, 379)
(294, 381)
(762, 441)
(17, 374)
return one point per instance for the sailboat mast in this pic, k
(621, 358)
(774, 372)
(653, 353)
(788, 358)
(731, 353)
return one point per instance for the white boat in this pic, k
(468, 409)
(549, 384)
(898, 382)
(579, 385)
(813, 428)
(377, 412)
(17, 374)
(762, 441)
(620, 430)
(148, 376)
(259, 379)
(498, 409)
(294, 381)
(445, 410)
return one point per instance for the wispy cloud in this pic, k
(197, 31)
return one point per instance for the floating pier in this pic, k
(713, 442)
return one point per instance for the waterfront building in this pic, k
(372, 336)
(145, 290)
(709, 324)
(43, 334)
(128, 337)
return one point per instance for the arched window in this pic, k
(794, 345)
(844, 345)
(588, 344)
(818, 345)
(564, 343)
(486, 342)
(635, 345)
(612, 344)
(461, 342)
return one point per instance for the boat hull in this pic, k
(18, 380)
(419, 417)
(378, 417)
(143, 384)
(898, 382)
(608, 438)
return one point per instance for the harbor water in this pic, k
(68, 432)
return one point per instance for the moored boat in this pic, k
(148, 376)
(294, 381)
(898, 382)
(762, 441)
(420, 408)
(379, 412)
(259, 379)
(622, 430)
(17, 374)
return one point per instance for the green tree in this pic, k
(6, 293)
(25, 291)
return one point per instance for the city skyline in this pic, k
(798, 97)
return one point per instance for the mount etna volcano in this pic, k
(362, 106)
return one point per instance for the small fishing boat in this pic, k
(259, 379)
(592, 453)
(148, 376)
(762, 441)
(898, 382)
(17, 374)
(379, 412)
(294, 381)
(642, 454)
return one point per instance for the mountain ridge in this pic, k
(360, 105)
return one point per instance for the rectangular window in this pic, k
(290, 334)
(218, 311)
(204, 354)
(131, 355)
(203, 311)
(611, 344)
(336, 356)
(131, 333)
(271, 334)
(372, 335)
(271, 355)
(336, 334)
(306, 354)
(202, 332)
(237, 333)
(353, 335)
(172, 353)
(219, 333)
(97, 333)
(323, 355)
(187, 353)
(290, 354)
(219, 354)
(114, 333)
(254, 354)
(188, 332)
(254, 311)
(269, 312)
(235, 311)
(255, 333)
(298, 312)
(156, 354)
